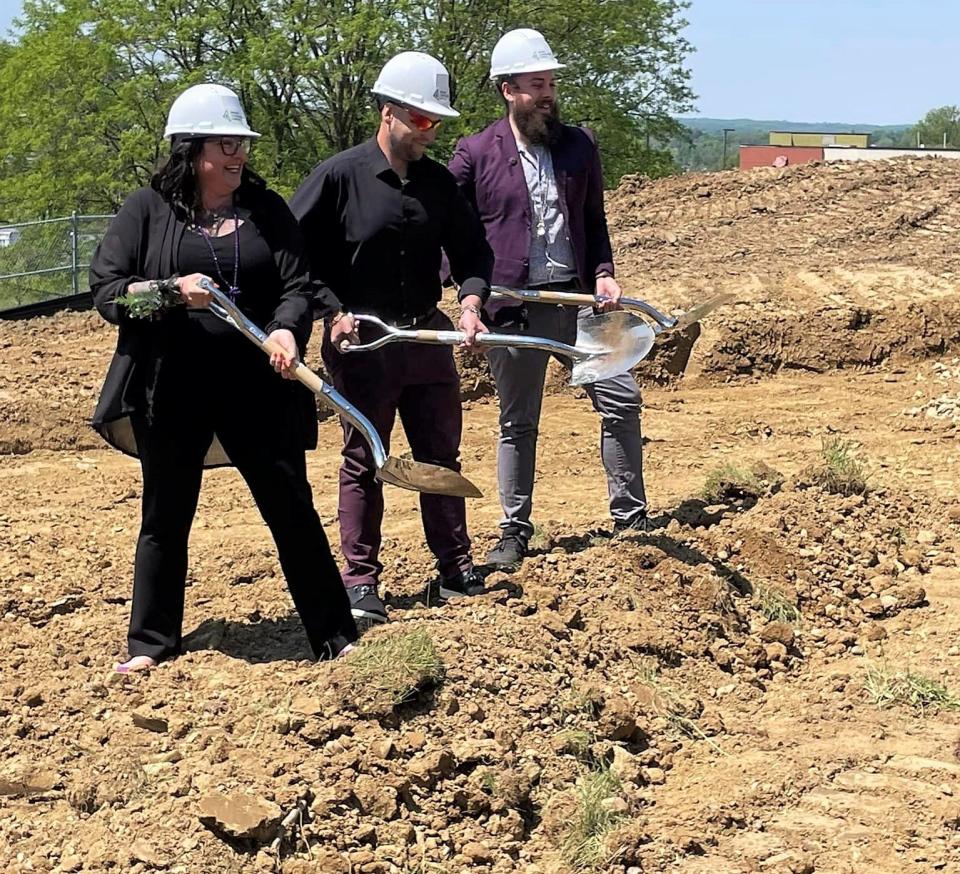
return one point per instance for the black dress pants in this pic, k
(253, 413)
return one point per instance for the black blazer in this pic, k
(141, 243)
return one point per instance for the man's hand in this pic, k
(343, 329)
(609, 290)
(284, 358)
(470, 322)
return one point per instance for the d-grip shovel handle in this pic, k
(455, 338)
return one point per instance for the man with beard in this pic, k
(376, 219)
(537, 186)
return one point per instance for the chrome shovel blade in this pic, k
(621, 341)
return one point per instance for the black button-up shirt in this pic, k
(375, 240)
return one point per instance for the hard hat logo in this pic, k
(443, 88)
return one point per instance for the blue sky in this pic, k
(8, 9)
(868, 61)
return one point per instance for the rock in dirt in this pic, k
(374, 798)
(617, 720)
(910, 597)
(142, 851)
(430, 767)
(241, 816)
(778, 632)
(150, 723)
(625, 766)
(28, 784)
(478, 853)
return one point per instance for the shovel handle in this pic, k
(572, 298)
(439, 338)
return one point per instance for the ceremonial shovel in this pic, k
(407, 474)
(664, 322)
(607, 345)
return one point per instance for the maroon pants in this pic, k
(420, 383)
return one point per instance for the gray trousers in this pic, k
(519, 375)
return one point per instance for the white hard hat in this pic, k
(418, 80)
(208, 110)
(522, 51)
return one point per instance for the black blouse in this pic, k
(146, 240)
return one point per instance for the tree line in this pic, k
(696, 149)
(86, 85)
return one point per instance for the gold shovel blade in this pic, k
(701, 310)
(431, 478)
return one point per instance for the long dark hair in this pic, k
(176, 179)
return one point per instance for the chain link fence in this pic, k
(48, 259)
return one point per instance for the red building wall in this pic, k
(767, 156)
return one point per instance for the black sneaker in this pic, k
(366, 604)
(638, 524)
(462, 586)
(508, 553)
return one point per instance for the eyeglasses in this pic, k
(420, 121)
(231, 145)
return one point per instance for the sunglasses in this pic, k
(418, 120)
(231, 145)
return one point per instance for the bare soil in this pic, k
(719, 665)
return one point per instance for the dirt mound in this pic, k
(699, 697)
(834, 265)
(629, 655)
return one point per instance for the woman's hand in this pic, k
(283, 358)
(193, 295)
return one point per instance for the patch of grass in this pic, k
(668, 704)
(489, 782)
(579, 701)
(887, 687)
(583, 848)
(577, 742)
(729, 477)
(774, 605)
(539, 539)
(841, 473)
(397, 666)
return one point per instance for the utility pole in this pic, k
(726, 130)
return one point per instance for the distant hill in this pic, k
(716, 125)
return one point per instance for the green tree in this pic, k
(937, 128)
(85, 89)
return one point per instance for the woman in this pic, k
(187, 391)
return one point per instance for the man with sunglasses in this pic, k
(375, 219)
(538, 188)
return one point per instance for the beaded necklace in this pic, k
(233, 290)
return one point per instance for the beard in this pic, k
(539, 129)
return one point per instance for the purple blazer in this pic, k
(487, 168)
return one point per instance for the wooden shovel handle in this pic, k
(567, 297)
(300, 370)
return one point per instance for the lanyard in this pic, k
(233, 291)
(539, 157)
